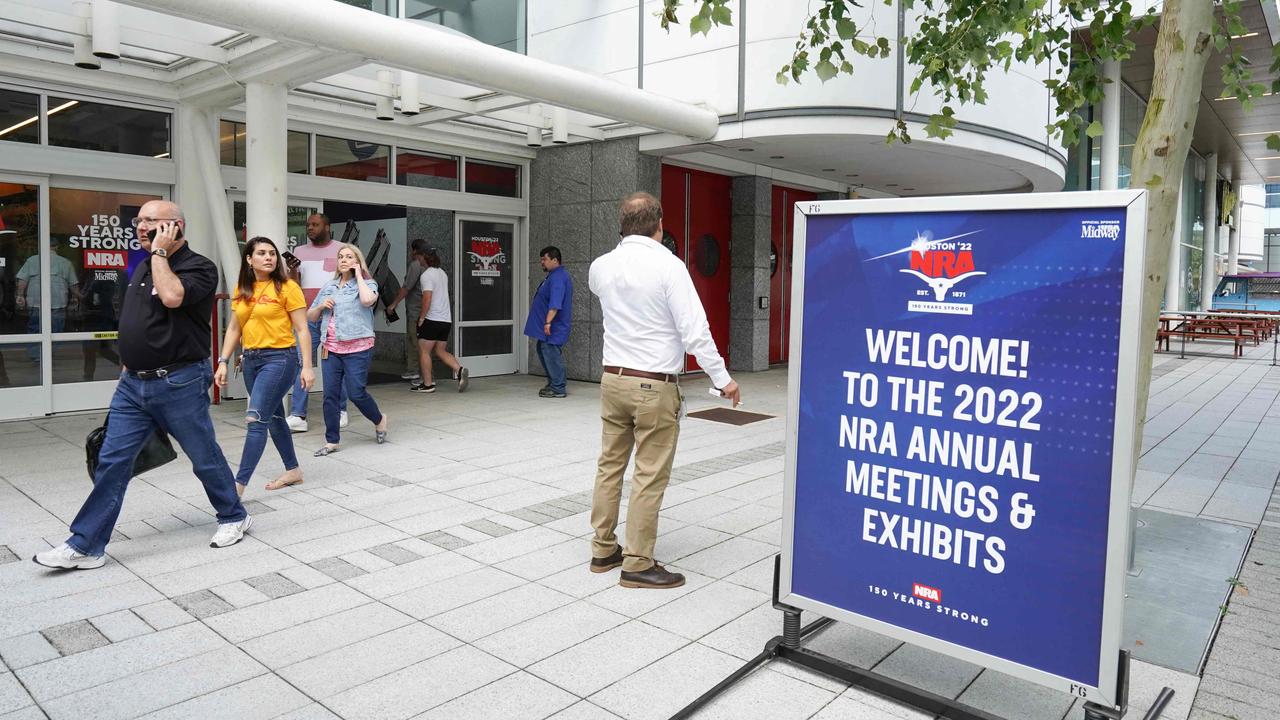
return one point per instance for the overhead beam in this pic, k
(422, 48)
(131, 36)
(278, 63)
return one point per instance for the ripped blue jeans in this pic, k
(268, 375)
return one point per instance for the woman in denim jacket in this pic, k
(344, 309)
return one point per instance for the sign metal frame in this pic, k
(1123, 446)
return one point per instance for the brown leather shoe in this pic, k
(656, 577)
(605, 564)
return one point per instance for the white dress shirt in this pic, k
(652, 313)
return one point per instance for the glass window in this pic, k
(485, 340)
(232, 139)
(19, 116)
(493, 22)
(418, 169)
(487, 280)
(382, 7)
(352, 159)
(19, 259)
(493, 178)
(1273, 194)
(20, 365)
(108, 128)
(94, 248)
(295, 223)
(1264, 288)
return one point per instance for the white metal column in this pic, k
(266, 161)
(200, 175)
(1173, 280)
(1110, 166)
(1209, 268)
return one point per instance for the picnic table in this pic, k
(1235, 326)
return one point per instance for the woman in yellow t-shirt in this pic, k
(267, 311)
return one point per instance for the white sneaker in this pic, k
(411, 375)
(64, 556)
(231, 533)
(343, 419)
(296, 424)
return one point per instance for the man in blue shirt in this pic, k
(549, 316)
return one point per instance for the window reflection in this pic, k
(19, 257)
(19, 116)
(489, 178)
(417, 169)
(107, 128)
(233, 138)
(352, 159)
(494, 22)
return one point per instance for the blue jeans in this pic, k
(346, 375)
(179, 405)
(298, 403)
(553, 363)
(57, 323)
(268, 375)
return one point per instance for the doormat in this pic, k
(730, 416)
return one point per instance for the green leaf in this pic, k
(1273, 142)
(825, 70)
(1094, 130)
(699, 24)
(781, 77)
(722, 15)
(846, 29)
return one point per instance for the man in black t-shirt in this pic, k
(164, 346)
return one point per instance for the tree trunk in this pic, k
(1182, 50)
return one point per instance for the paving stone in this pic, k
(203, 604)
(443, 539)
(121, 625)
(75, 637)
(7, 555)
(163, 614)
(490, 528)
(25, 650)
(257, 507)
(388, 480)
(338, 569)
(239, 594)
(273, 585)
(394, 553)
(531, 515)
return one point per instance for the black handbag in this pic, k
(156, 451)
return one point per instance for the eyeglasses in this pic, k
(150, 221)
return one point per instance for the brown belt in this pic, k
(615, 370)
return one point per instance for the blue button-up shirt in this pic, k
(555, 293)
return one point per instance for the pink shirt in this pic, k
(317, 268)
(344, 347)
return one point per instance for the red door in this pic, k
(696, 213)
(783, 218)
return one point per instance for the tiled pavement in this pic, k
(442, 575)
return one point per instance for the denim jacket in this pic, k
(354, 320)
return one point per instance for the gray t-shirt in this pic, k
(62, 275)
(413, 300)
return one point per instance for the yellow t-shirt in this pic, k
(264, 318)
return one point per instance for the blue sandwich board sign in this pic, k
(962, 422)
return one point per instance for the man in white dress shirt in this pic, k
(652, 317)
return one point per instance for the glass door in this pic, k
(486, 280)
(92, 251)
(25, 315)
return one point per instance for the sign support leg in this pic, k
(1094, 711)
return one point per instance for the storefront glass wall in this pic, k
(352, 159)
(493, 22)
(19, 116)
(107, 128)
(232, 141)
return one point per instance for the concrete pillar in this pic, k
(1233, 239)
(1173, 286)
(1110, 167)
(266, 162)
(1209, 268)
(200, 192)
(749, 246)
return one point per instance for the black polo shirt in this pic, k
(152, 335)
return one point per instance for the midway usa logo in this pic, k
(941, 265)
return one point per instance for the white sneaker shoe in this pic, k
(231, 533)
(296, 424)
(66, 557)
(343, 419)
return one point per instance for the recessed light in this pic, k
(908, 189)
(1270, 157)
(776, 157)
(828, 169)
(1263, 132)
(891, 184)
(1233, 97)
(851, 174)
(746, 149)
(1246, 35)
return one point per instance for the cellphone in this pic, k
(291, 261)
(151, 234)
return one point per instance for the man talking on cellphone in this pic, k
(164, 346)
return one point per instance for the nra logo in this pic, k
(924, 592)
(106, 259)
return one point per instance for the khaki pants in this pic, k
(640, 413)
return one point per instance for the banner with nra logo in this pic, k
(960, 439)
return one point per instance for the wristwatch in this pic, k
(224, 360)
(160, 251)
